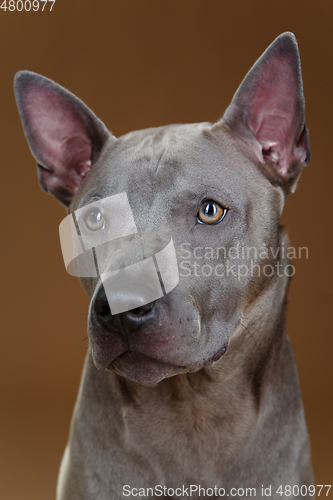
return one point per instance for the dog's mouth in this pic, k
(139, 367)
(148, 344)
(142, 368)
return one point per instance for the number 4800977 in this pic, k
(27, 5)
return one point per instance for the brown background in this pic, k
(139, 64)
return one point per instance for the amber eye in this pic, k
(94, 220)
(211, 213)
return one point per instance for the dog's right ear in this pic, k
(64, 135)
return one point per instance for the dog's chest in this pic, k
(189, 438)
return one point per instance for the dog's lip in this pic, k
(134, 355)
(216, 356)
(134, 352)
(143, 368)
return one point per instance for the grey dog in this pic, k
(190, 388)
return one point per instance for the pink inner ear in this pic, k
(273, 114)
(59, 139)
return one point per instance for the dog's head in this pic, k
(161, 220)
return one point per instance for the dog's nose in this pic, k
(130, 320)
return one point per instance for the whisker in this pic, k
(88, 345)
(86, 349)
(248, 332)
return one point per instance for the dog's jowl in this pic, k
(189, 388)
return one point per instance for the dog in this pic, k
(189, 386)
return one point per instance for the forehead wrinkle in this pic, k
(149, 151)
(159, 146)
(167, 147)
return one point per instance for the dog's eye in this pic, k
(94, 220)
(211, 213)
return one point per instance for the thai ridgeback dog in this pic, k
(190, 387)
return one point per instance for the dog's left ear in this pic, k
(267, 112)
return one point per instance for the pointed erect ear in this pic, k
(64, 135)
(267, 111)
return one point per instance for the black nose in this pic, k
(130, 320)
